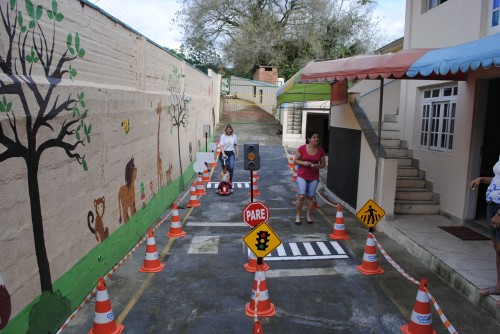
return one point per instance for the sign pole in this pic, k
(251, 186)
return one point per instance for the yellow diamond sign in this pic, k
(370, 214)
(262, 240)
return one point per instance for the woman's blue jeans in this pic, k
(230, 163)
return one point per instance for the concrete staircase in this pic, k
(414, 193)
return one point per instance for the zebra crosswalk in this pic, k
(317, 250)
(235, 185)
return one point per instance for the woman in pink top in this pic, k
(308, 159)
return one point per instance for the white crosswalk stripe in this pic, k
(318, 250)
(237, 185)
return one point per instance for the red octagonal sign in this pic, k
(255, 213)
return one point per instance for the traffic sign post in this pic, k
(255, 213)
(370, 214)
(262, 240)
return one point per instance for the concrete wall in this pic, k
(141, 103)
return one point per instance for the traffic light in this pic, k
(262, 240)
(252, 158)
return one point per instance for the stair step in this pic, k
(416, 207)
(390, 126)
(391, 142)
(391, 118)
(410, 182)
(396, 152)
(390, 135)
(407, 171)
(405, 162)
(413, 194)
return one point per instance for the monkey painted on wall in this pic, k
(100, 232)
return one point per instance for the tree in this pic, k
(62, 121)
(177, 108)
(282, 33)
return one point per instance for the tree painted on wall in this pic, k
(177, 108)
(31, 48)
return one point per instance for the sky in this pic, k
(155, 19)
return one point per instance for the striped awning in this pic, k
(450, 63)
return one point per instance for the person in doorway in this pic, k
(493, 217)
(309, 159)
(229, 149)
(224, 179)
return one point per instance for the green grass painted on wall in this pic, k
(48, 312)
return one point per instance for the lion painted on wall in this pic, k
(126, 194)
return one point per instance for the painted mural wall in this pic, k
(99, 128)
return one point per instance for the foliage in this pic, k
(282, 33)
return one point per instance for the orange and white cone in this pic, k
(176, 226)
(218, 151)
(152, 262)
(193, 198)
(294, 175)
(251, 265)
(257, 327)
(315, 203)
(260, 304)
(206, 176)
(255, 189)
(339, 232)
(421, 317)
(216, 156)
(104, 318)
(200, 190)
(370, 266)
(291, 164)
(255, 175)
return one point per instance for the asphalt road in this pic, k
(204, 287)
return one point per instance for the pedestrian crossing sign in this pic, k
(262, 240)
(370, 214)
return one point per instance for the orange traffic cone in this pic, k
(255, 175)
(259, 303)
(257, 327)
(291, 164)
(294, 175)
(200, 190)
(315, 204)
(176, 226)
(104, 318)
(421, 317)
(251, 265)
(218, 151)
(193, 198)
(206, 176)
(370, 266)
(152, 262)
(339, 232)
(216, 156)
(255, 189)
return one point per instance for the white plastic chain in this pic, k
(443, 318)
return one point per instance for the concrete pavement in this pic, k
(203, 292)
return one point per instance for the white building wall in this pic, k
(449, 24)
